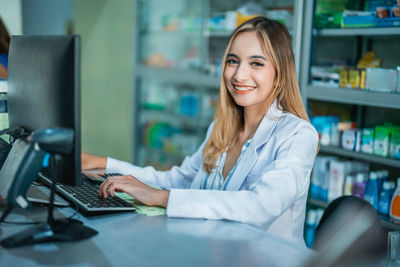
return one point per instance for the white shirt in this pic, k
(215, 179)
(268, 188)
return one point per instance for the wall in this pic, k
(10, 13)
(46, 16)
(107, 29)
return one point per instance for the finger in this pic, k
(112, 188)
(103, 187)
(110, 185)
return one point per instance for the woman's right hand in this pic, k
(90, 161)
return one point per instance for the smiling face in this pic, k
(249, 74)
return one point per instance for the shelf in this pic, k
(158, 158)
(161, 152)
(358, 31)
(172, 118)
(178, 76)
(389, 224)
(353, 96)
(385, 220)
(360, 155)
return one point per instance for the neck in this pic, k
(252, 118)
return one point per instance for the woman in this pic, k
(255, 162)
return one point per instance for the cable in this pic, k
(75, 213)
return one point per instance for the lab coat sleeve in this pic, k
(176, 177)
(281, 183)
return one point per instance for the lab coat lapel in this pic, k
(261, 136)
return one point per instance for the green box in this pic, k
(367, 140)
(382, 140)
(394, 150)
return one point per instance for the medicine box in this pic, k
(382, 139)
(381, 80)
(351, 139)
(367, 143)
(358, 19)
(338, 171)
(395, 144)
(320, 177)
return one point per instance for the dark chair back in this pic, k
(349, 234)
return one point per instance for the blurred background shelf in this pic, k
(178, 76)
(180, 45)
(360, 156)
(353, 96)
(172, 118)
(358, 31)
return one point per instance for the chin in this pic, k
(243, 103)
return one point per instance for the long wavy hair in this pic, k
(229, 119)
(4, 38)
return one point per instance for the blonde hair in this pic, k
(229, 116)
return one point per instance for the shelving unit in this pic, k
(351, 96)
(181, 76)
(179, 54)
(357, 31)
(359, 100)
(360, 156)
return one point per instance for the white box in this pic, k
(338, 171)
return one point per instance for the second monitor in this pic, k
(44, 91)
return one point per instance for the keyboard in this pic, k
(87, 198)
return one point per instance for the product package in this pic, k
(338, 171)
(351, 139)
(382, 139)
(394, 150)
(354, 78)
(381, 80)
(367, 140)
(344, 78)
(327, 128)
(320, 177)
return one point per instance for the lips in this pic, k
(243, 89)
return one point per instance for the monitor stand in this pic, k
(53, 230)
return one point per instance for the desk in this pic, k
(129, 239)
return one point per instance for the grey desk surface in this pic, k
(129, 239)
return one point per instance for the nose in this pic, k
(241, 73)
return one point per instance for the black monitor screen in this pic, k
(44, 90)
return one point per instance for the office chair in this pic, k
(349, 234)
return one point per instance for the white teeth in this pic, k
(244, 88)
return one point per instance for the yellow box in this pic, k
(343, 78)
(354, 78)
(362, 79)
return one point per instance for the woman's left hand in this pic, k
(132, 186)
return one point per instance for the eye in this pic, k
(231, 61)
(257, 64)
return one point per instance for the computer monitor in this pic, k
(44, 91)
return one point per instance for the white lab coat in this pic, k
(269, 187)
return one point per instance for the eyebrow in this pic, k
(251, 57)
